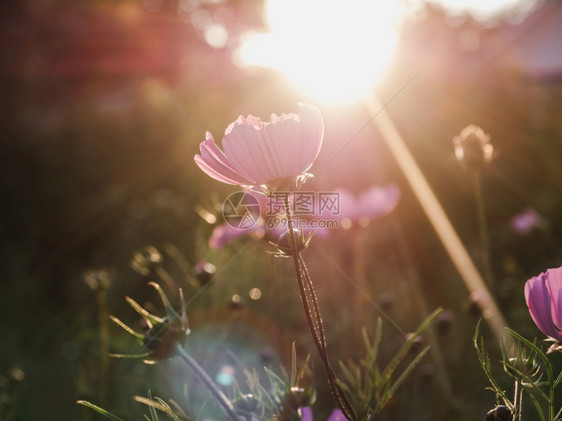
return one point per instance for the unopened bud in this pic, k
(204, 271)
(499, 413)
(246, 404)
(284, 242)
(162, 338)
(444, 320)
(295, 397)
(473, 148)
(417, 341)
(145, 260)
(235, 304)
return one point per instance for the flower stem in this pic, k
(440, 221)
(518, 400)
(483, 229)
(314, 318)
(103, 317)
(209, 384)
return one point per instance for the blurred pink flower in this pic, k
(336, 415)
(225, 233)
(258, 153)
(524, 222)
(371, 203)
(543, 295)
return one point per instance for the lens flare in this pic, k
(333, 51)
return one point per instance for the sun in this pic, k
(334, 51)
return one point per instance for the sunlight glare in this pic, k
(483, 9)
(332, 50)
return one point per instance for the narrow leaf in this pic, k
(144, 313)
(99, 410)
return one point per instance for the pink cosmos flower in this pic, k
(524, 222)
(371, 203)
(258, 153)
(543, 295)
(224, 234)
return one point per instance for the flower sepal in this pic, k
(556, 346)
(162, 334)
(283, 245)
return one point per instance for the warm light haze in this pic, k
(332, 51)
(335, 51)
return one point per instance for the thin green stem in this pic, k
(482, 228)
(439, 219)
(518, 400)
(167, 279)
(341, 397)
(104, 344)
(551, 401)
(209, 384)
(314, 318)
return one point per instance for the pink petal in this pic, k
(337, 415)
(313, 133)
(241, 143)
(554, 285)
(296, 139)
(539, 301)
(377, 201)
(349, 207)
(215, 164)
(224, 234)
(306, 414)
(284, 140)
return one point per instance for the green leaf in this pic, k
(388, 394)
(541, 354)
(393, 364)
(485, 364)
(99, 410)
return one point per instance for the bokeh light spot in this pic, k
(255, 293)
(216, 35)
(225, 377)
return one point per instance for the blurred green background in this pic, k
(97, 163)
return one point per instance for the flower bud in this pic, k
(161, 335)
(499, 413)
(417, 341)
(295, 398)
(235, 304)
(204, 271)
(284, 242)
(444, 320)
(161, 339)
(246, 404)
(473, 148)
(145, 260)
(97, 279)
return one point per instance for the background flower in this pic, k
(371, 203)
(523, 223)
(473, 147)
